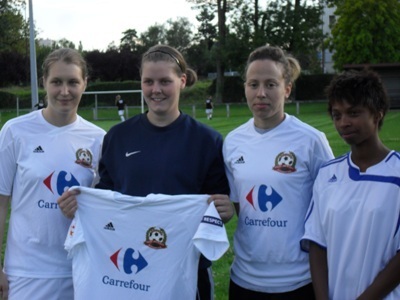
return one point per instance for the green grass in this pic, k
(314, 114)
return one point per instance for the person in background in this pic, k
(41, 104)
(120, 103)
(41, 154)
(209, 108)
(271, 163)
(352, 229)
(164, 150)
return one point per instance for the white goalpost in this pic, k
(96, 106)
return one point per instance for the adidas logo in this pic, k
(38, 150)
(109, 226)
(333, 178)
(240, 160)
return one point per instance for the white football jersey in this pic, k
(126, 247)
(271, 176)
(355, 216)
(38, 161)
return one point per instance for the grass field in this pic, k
(314, 114)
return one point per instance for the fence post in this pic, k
(17, 106)
(194, 110)
(297, 107)
(95, 106)
(228, 110)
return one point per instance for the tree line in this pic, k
(365, 31)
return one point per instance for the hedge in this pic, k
(307, 87)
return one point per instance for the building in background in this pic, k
(328, 21)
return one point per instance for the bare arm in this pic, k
(385, 282)
(319, 271)
(4, 203)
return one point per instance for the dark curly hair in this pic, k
(363, 88)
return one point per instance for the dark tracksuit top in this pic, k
(185, 157)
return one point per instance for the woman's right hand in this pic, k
(68, 203)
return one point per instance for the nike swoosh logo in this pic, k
(127, 154)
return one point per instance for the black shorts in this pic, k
(205, 282)
(236, 292)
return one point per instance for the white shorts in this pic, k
(121, 112)
(23, 288)
(209, 111)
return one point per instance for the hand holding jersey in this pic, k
(120, 243)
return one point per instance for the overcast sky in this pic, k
(97, 23)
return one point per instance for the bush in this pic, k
(233, 89)
(8, 100)
(196, 94)
(312, 87)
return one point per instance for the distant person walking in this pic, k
(209, 107)
(41, 104)
(120, 103)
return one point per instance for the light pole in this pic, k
(34, 82)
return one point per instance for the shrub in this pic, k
(312, 87)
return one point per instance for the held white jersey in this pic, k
(271, 176)
(126, 247)
(37, 162)
(355, 216)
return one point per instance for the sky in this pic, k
(97, 23)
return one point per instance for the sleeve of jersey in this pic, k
(8, 164)
(313, 226)
(210, 237)
(233, 193)
(74, 237)
(321, 153)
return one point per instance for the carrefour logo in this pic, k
(59, 183)
(125, 261)
(128, 261)
(62, 181)
(267, 198)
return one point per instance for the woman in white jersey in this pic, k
(271, 163)
(41, 154)
(352, 231)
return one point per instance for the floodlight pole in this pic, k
(34, 82)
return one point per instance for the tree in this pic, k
(179, 33)
(154, 35)
(206, 32)
(13, 28)
(129, 39)
(296, 26)
(366, 31)
(64, 43)
(199, 54)
(222, 10)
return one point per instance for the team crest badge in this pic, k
(156, 238)
(285, 162)
(84, 157)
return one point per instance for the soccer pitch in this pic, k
(314, 114)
